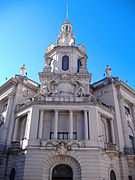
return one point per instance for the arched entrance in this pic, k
(112, 175)
(62, 172)
(12, 174)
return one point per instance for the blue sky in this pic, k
(105, 27)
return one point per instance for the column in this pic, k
(71, 126)
(89, 124)
(85, 125)
(9, 121)
(16, 129)
(124, 122)
(133, 114)
(40, 130)
(112, 129)
(32, 124)
(28, 123)
(56, 125)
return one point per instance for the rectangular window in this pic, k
(51, 135)
(5, 104)
(74, 136)
(63, 135)
(109, 129)
(78, 65)
(127, 110)
(22, 127)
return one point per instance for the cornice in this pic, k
(120, 84)
(65, 47)
(8, 84)
(62, 103)
(14, 81)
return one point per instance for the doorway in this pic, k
(62, 172)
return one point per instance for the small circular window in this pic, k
(12, 174)
(65, 63)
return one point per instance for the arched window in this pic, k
(78, 65)
(12, 174)
(109, 130)
(103, 131)
(112, 175)
(65, 63)
(66, 28)
(63, 172)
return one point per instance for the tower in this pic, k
(65, 73)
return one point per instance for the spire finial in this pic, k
(67, 11)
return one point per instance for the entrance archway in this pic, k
(112, 175)
(62, 172)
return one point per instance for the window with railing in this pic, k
(63, 135)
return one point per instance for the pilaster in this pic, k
(85, 125)
(56, 125)
(124, 121)
(32, 124)
(15, 129)
(133, 114)
(40, 131)
(9, 121)
(71, 126)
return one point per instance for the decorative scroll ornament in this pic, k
(111, 154)
(82, 48)
(63, 148)
(49, 48)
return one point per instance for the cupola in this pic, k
(66, 36)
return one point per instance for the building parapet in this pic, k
(64, 100)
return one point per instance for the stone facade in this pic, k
(65, 127)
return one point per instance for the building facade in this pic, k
(66, 128)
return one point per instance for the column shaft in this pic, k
(40, 131)
(112, 128)
(133, 114)
(56, 125)
(15, 129)
(71, 126)
(124, 123)
(85, 126)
